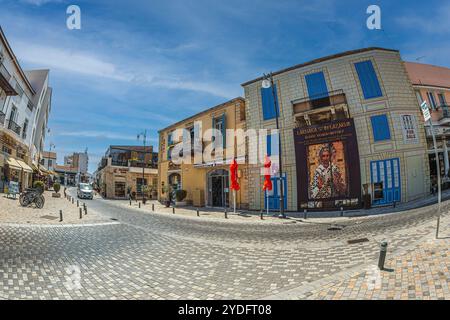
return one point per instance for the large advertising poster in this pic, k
(328, 173)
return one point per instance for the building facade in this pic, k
(25, 103)
(206, 181)
(432, 84)
(126, 169)
(350, 125)
(48, 160)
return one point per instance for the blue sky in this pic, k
(139, 64)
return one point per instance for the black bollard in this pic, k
(173, 210)
(198, 213)
(78, 203)
(60, 216)
(226, 213)
(85, 208)
(73, 200)
(153, 207)
(262, 215)
(130, 202)
(305, 214)
(81, 213)
(139, 205)
(383, 251)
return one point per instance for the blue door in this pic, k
(386, 184)
(274, 195)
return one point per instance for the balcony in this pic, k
(2, 118)
(5, 76)
(333, 98)
(14, 127)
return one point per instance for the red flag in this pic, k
(233, 169)
(267, 176)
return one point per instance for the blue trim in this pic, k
(268, 103)
(368, 79)
(317, 86)
(274, 198)
(390, 193)
(380, 128)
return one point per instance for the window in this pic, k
(380, 128)
(442, 101)
(25, 129)
(220, 125)
(6, 150)
(50, 163)
(419, 97)
(409, 128)
(268, 103)
(317, 86)
(368, 80)
(432, 100)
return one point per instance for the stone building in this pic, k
(207, 181)
(350, 125)
(432, 84)
(128, 168)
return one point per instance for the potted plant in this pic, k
(145, 193)
(39, 185)
(57, 188)
(180, 195)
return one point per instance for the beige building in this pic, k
(206, 181)
(350, 125)
(128, 169)
(432, 84)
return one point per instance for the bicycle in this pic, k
(32, 196)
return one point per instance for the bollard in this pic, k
(305, 214)
(85, 208)
(262, 215)
(81, 213)
(395, 204)
(198, 213)
(153, 207)
(60, 216)
(73, 200)
(78, 203)
(130, 202)
(226, 213)
(342, 211)
(173, 210)
(382, 259)
(139, 205)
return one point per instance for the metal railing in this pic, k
(2, 118)
(445, 110)
(5, 72)
(14, 127)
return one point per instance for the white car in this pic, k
(85, 191)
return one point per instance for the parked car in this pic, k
(85, 191)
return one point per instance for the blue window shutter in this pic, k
(368, 79)
(380, 128)
(269, 145)
(317, 86)
(268, 103)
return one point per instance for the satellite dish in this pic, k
(266, 84)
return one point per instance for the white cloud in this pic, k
(40, 2)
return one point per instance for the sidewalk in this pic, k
(11, 212)
(246, 215)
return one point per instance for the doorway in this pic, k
(218, 188)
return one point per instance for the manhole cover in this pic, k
(335, 229)
(354, 241)
(49, 217)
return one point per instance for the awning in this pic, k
(25, 167)
(43, 170)
(13, 164)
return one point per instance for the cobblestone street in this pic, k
(166, 256)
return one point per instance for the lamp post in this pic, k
(144, 138)
(269, 83)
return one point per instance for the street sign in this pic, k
(425, 111)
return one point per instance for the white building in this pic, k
(25, 100)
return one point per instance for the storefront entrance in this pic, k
(218, 188)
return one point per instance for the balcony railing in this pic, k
(2, 118)
(332, 98)
(14, 127)
(4, 72)
(445, 110)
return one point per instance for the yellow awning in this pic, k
(13, 164)
(25, 167)
(43, 169)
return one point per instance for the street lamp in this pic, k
(144, 138)
(268, 83)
